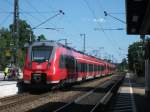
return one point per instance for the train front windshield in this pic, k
(41, 53)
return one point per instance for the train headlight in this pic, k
(37, 77)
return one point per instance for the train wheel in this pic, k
(62, 84)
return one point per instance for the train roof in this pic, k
(55, 43)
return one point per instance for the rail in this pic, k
(105, 98)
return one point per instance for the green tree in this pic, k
(5, 39)
(25, 33)
(123, 65)
(135, 58)
(7, 42)
(41, 37)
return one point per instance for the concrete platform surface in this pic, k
(131, 96)
(8, 88)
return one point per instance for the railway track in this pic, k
(91, 101)
(35, 102)
(10, 98)
(79, 101)
(8, 102)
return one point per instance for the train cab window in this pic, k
(41, 53)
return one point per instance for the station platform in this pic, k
(8, 88)
(131, 96)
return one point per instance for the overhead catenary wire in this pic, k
(93, 14)
(5, 19)
(11, 4)
(27, 13)
(36, 10)
(69, 34)
(60, 12)
(26, 18)
(21, 10)
(103, 9)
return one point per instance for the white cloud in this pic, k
(101, 20)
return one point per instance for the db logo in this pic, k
(39, 66)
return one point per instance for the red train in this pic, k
(49, 62)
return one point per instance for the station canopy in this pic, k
(138, 17)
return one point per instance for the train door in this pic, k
(71, 68)
(62, 66)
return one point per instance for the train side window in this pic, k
(70, 63)
(62, 63)
(79, 67)
(94, 68)
(82, 67)
(102, 68)
(73, 65)
(99, 69)
(90, 67)
(87, 67)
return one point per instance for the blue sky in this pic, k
(81, 16)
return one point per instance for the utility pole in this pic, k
(83, 41)
(15, 30)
